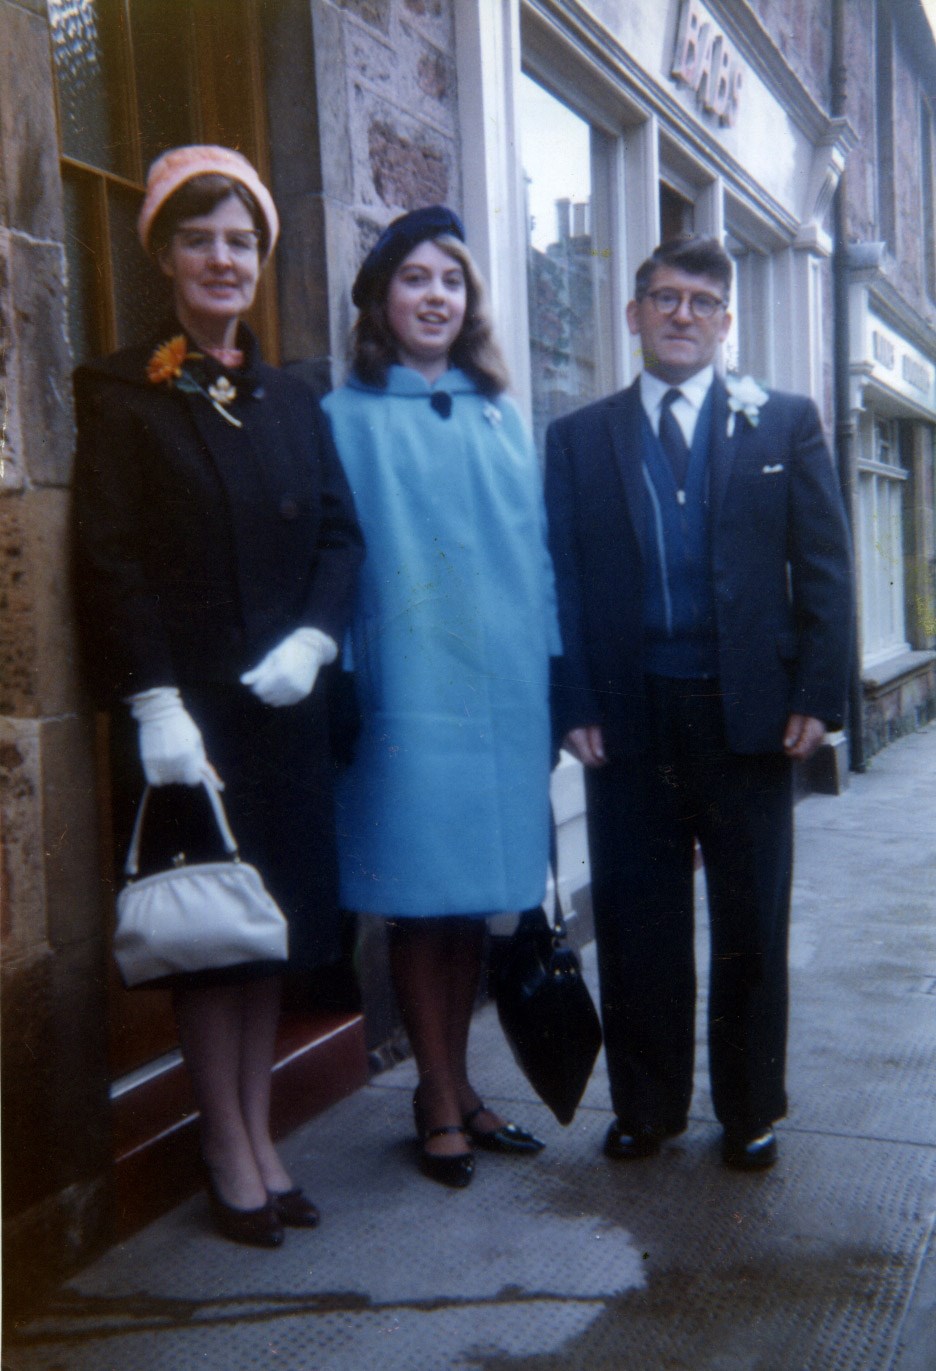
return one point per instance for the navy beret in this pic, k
(397, 242)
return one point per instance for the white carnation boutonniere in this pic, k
(745, 397)
(492, 414)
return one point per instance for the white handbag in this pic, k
(194, 918)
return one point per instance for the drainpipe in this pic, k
(844, 427)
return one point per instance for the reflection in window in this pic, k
(562, 264)
(881, 480)
(87, 71)
(133, 77)
(165, 76)
(677, 214)
(141, 296)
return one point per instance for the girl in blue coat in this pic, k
(443, 815)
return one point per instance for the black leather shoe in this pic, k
(455, 1171)
(750, 1154)
(620, 1145)
(258, 1227)
(294, 1208)
(508, 1138)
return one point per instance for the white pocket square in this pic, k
(772, 471)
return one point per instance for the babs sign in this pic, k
(707, 63)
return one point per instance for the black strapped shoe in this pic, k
(510, 1137)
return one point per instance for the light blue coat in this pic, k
(445, 809)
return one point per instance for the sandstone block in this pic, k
(30, 185)
(42, 400)
(408, 170)
(18, 648)
(301, 279)
(76, 894)
(11, 460)
(22, 872)
(374, 12)
(56, 1127)
(47, 529)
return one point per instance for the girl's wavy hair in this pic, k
(475, 351)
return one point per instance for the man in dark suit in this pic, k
(703, 573)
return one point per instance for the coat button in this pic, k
(289, 509)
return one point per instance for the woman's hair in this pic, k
(201, 195)
(475, 351)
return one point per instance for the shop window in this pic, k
(568, 263)
(134, 77)
(882, 478)
(677, 213)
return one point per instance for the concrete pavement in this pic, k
(568, 1261)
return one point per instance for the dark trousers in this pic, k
(644, 814)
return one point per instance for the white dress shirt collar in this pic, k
(685, 410)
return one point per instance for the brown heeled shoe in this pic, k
(258, 1227)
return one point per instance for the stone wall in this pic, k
(802, 30)
(55, 1149)
(859, 57)
(909, 84)
(903, 708)
(910, 81)
(385, 71)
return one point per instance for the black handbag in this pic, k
(545, 1009)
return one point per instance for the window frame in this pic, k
(881, 514)
(101, 183)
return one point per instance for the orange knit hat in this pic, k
(174, 168)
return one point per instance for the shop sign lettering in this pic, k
(902, 367)
(707, 63)
(883, 349)
(915, 373)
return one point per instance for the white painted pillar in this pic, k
(487, 47)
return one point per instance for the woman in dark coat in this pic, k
(217, 553)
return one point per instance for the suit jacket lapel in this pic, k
(722, 449)
(625, 425)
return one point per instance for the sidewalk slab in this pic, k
(826, 1263)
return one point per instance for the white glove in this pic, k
(171, 747)
(287, 673)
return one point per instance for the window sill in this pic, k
(907, 664)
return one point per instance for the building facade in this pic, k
(572, 135)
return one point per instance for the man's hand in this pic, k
(802, 736)
(587, 744)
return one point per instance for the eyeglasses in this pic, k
(201, 242)
(702, 305)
